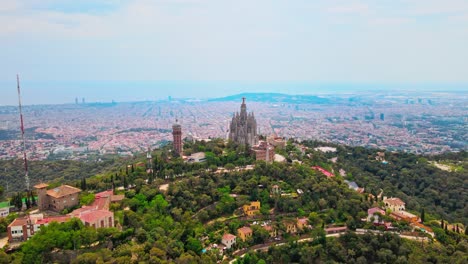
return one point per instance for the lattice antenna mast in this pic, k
(26, 174)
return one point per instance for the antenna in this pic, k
(26, 175)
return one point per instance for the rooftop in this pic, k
(58, 219)
(394, 201)
(93, 215)
(4, 204)
(62, 191)
(228, 236)
(41, 185)
(245, 230)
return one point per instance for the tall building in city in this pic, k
(177, 137)
(243, 128)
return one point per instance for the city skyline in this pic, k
(60, 48)
(45, 93)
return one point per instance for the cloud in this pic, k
(355, 8)
(391, 21)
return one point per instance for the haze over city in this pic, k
(147, 50)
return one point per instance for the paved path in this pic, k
(3, 241)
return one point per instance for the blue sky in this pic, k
(59, 47)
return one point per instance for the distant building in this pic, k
(302, 223)
(382, 116)
(177, 138)
(290, 226)
(243, 128)
(278, 142)
(271, 230)
(404, 216)
(4, 209)
(252, 208)
(374, 215)
(322, 170)
(244, 233)
(228, 240)
(354, 186)
(23, 228)
(197, 157)
(275, 189)
(94, 217)
(394, 204)
(264, 151)
(58, 198)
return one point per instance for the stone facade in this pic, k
(243, 128)
(58, 198)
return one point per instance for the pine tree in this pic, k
(458, 229)
(125, 220)
(423, 215)
(466, 230)
(133, 169)
(125, 183)
(126, 170)
(33, 199)
(83, 184)
(18, 201)
(442, 223)
(28, 202)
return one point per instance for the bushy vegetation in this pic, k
(352, 248)
(202, 203)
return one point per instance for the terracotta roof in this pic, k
(394, 201)
(41, 185)
(404, 214)
(101, 203)
(302, 220)
(63, 190)
(92, 216)
(19, 222)
(268, 228)
(104, 194)
(375, 210)
(245, 230)
(117, 198)
(58, 219)
(228, 237)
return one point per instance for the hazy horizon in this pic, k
(38, 93)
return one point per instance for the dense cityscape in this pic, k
(415, 122)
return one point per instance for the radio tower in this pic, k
(26, 175)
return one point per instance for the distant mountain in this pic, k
(274, 98)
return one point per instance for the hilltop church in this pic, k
(243, 128)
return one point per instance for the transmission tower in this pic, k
(26, 174)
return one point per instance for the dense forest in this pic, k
(54, 171)
(176, 213)
(367, 248)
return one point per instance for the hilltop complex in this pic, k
(243, 128)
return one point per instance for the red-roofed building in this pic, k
(23, 228)
(228, 240)
(374, 214)
(302, 223)
(95, 217)
(322, 170)
(394, 204)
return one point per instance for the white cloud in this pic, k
(353, 8)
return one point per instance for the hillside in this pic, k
(180, 213)
(275, 98)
